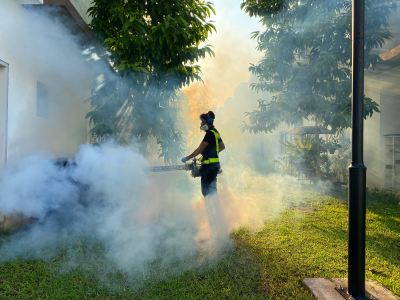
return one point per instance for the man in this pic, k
(209, 148)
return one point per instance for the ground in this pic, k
(305, 241)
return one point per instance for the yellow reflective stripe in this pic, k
(216, 135)
(210, 161)
(214, 159)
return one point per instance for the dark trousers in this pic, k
(208, 175)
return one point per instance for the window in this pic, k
(42, 100)
(392, 162)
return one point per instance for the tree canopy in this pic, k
(306, 67)
(153, 47)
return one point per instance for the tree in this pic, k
(153, 47)
(306, 66)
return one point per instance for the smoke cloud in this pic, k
(41, 50)
(136, 219)
(106, 196)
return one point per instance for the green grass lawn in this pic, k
(306, 241)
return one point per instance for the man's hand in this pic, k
(196, 152)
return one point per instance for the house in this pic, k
(382, 131)
(44, 77)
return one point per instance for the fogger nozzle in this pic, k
(193, 167)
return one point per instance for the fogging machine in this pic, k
(193, 167)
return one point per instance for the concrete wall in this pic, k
(60, 132)
(30, 1)
(3, 111)
(382, 86)
(67, 78)
(82, 6)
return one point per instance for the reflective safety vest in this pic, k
(213, 160)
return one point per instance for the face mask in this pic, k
(204, 127)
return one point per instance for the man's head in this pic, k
(207, 120)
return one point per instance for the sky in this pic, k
(234, 52)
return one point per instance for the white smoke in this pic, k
(107, 196)
(137, 219)
(39, 48)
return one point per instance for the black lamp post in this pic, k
(357, 169)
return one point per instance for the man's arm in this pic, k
(221, 146)
(196, 152)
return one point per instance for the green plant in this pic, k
(340, 160)
(309, 156)
(306, 68)
(153, 47)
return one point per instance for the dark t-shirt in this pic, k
(211, 149)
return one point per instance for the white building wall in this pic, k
(30, 1)
(373, 157)
(59, 64)
(82, 7)
(382, 86)
(3, 112)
